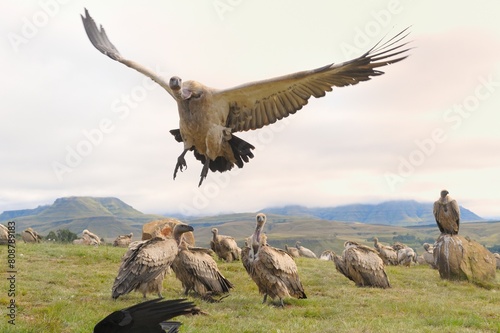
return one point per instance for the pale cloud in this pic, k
(60, 96)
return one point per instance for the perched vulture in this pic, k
(292, 251)
(225, 247)
(447, 214)
(95, 240)
(362, 265)
(387, 253)
(327, 255)
(123, 240)
(148, 260)
(149, 316)
(30, 236)
(304, 251)
(198, 271)
(273, 270)
(208, 117)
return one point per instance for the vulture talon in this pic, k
(204, 172)
(181, 163)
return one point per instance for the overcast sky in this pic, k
(75, 123)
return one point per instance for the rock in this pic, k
(460, 258)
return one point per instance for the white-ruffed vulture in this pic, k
(95, 240)
(30, 236)
(362, 265)
(273, 270)
(224, 246)
(304, 251)
(123, 240)
(292, 251)
(149, 316)
(208, 117)
(148, 260)
(447, 214)
(387, 253)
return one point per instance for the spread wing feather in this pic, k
(101, 42)
(257, 104)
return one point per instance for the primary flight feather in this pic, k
(208, 117)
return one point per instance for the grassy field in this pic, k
(67, 288)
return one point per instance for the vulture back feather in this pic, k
(146, 260)
(362, 265)
(198, 271)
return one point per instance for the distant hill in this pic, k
(107, 216)
(401, 213)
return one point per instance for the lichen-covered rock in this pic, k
(153, 228)
(459, 258)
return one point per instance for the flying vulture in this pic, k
(447, 214)
(149, 316)
(208, 117)
(273, 270)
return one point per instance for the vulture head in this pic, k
(261, 220)
(175, 83)
(444, 193)
(215, 231)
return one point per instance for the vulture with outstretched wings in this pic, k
(208, 117)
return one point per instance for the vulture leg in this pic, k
(204, 171)
(264, 300)
(281, 303)
(181, 162)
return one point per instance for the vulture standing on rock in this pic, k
(447, 214)
(208, 117)
(198, 271)
(147, 317)
(362, 265)
(273, 270)
(146, 262)
(225, 247)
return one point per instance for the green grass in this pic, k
(67, 288)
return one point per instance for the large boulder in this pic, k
(153, 228)
(460, 258)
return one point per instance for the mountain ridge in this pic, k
(110, 216)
